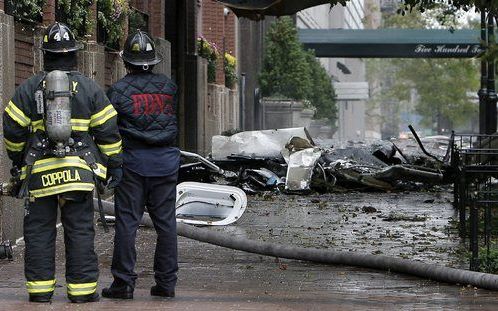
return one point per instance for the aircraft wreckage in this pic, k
(288, 160)
(212, 191)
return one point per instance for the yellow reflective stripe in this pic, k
(41, 290)
(40, 283)
(102, 171)
(35, 287)
(17, 114)
(102, 116)
(111, 149)
(53, 163)
(72, 286)
(37, 125)
(61, 188)
(81, 289)
(12, 146)
(80, 124)
(69, 161)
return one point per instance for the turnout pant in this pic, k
(40, 234)
(158, 194)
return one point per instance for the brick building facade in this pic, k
(219, 26)
(20, 58)
(26, 48)
(203, 110)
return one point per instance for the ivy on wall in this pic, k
(76, 14)
(29, 11)
(111, 16)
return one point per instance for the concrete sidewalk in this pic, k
(214, 278)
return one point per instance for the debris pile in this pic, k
(289, 160)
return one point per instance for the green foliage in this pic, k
(77, 15)
(111, 15)
(209, 51)
(26, 10)
(442, 85)
(230, 68)
(322, 94)
(293, 73)
(453, 5)
(285, 69)
(488, 262)
(136, 21)
(466, 5)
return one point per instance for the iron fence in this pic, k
(475, 163)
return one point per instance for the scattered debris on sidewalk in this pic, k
(289, 160)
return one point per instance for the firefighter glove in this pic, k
(115, 175)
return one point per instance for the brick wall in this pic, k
(23, 53)
(141, 5)
(49, 12)
(114, 68)
(156, 9)
(220, 29)
(157, 12)
(24, 40)
(109, 64)
(230, 36)
(213, 30)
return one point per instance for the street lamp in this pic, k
(487, 92)
(491, 89)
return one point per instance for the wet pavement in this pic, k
(420, 226)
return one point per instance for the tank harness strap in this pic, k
(90, 159)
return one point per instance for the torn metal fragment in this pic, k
(207, 204)
(300, 169)
(256, 144)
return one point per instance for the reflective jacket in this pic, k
(93, 121)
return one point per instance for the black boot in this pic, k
(84, 298)
(121, 292)
(40, 297)
(162, 292)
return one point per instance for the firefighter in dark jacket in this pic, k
(145, 103)
(61, 173)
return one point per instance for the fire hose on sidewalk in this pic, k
(379, 262)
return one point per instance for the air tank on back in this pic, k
(58, 110)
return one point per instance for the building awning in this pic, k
(257, 9)
(391, 43)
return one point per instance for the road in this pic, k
(409, 225)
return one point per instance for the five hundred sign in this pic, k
(391, 43)
(448, 50)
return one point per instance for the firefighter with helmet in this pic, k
(61, 134)
(146, 106)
